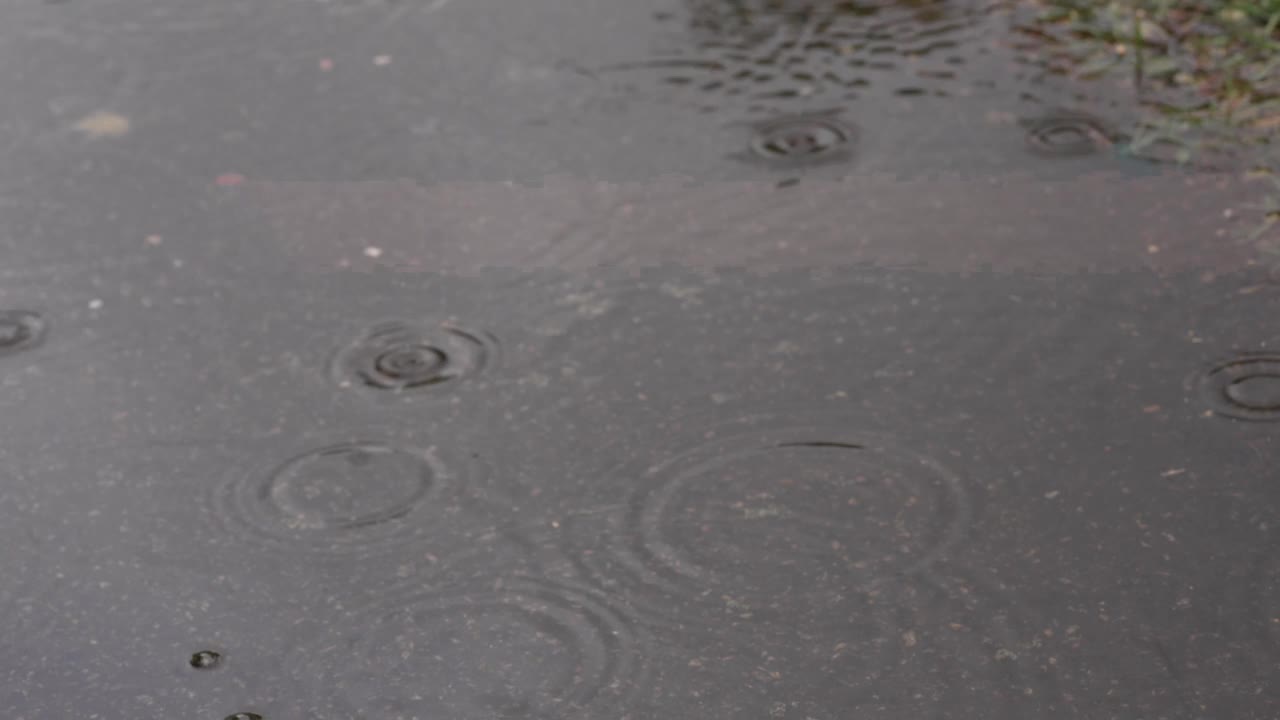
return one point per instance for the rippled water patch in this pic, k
(780, 522)
(511, 648)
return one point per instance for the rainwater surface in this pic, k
(467, 359)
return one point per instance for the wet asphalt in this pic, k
(562, 359)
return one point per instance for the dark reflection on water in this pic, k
(762, 54)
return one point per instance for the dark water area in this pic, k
(564, 359)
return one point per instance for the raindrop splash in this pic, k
(1067, 135)
(803, 138)
(400, 357)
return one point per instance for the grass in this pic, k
(1206, 73)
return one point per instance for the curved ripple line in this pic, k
(1246, 387)
(343, 497)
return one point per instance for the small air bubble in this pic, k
(19, 330)
(244, 716)
(205, 660)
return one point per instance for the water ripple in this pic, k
(762, 525)
(516, 648)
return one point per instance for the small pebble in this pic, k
(103, 125)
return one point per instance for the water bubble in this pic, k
(401, 357)
(20, 330)
(517, 648)
(244, 716)
(206, 660)
(1245, 388)
(802, 137)
(343, 496)
(1067, 135)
